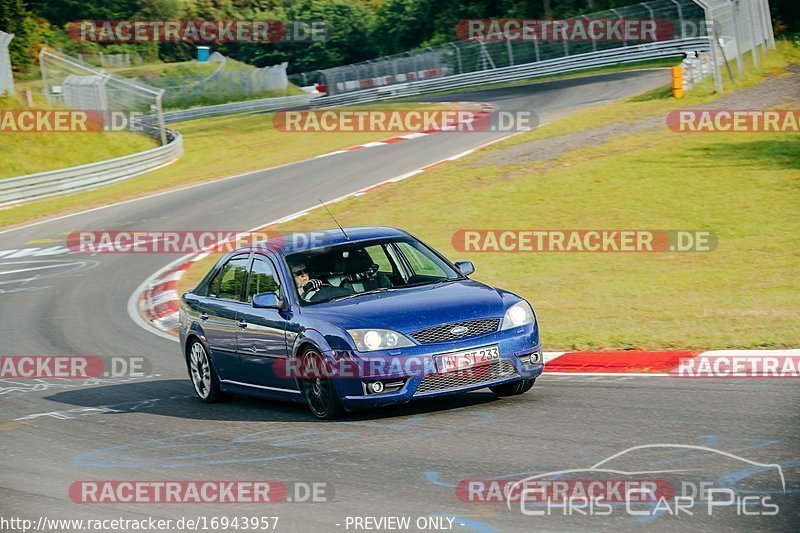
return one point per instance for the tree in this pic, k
(12, 20)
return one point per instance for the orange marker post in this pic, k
(677, 82)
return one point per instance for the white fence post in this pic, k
(6, 75)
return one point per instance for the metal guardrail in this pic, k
(85, 177)
(561, 65)
(250, 106)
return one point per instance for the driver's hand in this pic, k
(312, 285)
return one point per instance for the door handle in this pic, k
(242, 324)
(203, 316)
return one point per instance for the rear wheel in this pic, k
(513, 388)
(318, 389)
(201, 372)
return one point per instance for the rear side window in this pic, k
(233, 276)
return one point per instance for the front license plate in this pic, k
(468, 358)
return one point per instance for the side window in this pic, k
(234, 276)
(421, 264)
(262, 279)
(379, 257)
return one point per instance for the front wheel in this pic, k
(512, 389)
(318, 389)
(204, 377)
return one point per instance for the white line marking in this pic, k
(373, 144)
(462, 154)
(22, 253)
(404, 176)
(414, 135)
(748, 353)
(294, 216)
(30, 269)
(549, 356)
(55, 250)
(331, 153)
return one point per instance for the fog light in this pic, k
(534, 359)
(376, 386)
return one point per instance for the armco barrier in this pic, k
(81, 178)
(250, 106)
(561, 65)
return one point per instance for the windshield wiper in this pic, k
(373, 291)
(426, 283)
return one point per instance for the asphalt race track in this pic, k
(404, 462)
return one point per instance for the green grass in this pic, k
(28, 153)
(743, 187)
(159, 70)
(214, 148)
(187, 86)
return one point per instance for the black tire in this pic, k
(321, 397)
(202, 374)
(514, 388)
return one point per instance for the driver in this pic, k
(305, 286)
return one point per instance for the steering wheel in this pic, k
(369, 273)
(312, 288)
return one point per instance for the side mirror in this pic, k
(267, 300)
(466, 267)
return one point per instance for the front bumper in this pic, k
(416, 367)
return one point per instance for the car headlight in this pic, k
(369, 340)
(519, 314)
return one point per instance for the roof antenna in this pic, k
(334, 219)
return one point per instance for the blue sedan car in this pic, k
(353, 318)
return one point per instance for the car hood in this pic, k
(415, 308)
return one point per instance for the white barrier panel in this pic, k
(6, 74)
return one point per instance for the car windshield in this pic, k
(350, 270)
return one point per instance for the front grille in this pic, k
(443, 333)
(457, 379)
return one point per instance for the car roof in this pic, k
(308, 240)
